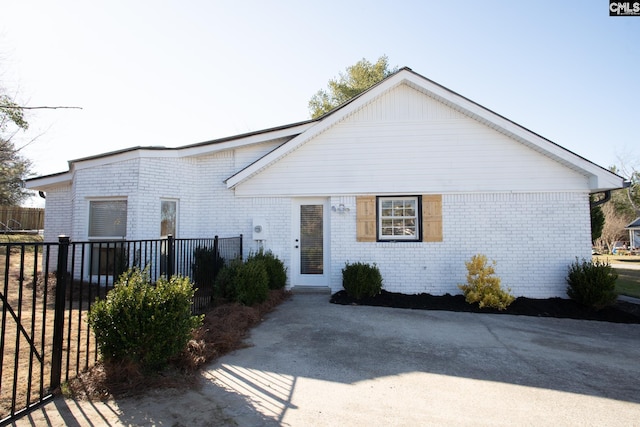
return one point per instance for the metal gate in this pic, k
(46, 292)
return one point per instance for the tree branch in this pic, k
(17, 107)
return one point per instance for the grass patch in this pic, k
(628, 282)
(20, 238)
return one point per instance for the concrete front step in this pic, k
(311, 290)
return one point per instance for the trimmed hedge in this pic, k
(276, 271)
(143, 323)
(361, 280)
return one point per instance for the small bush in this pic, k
(225, 284)
(144, 324)
(252, 282)
(592, 284)
(483, 286)
(276, 271)
(361, 280)
(246, 283)
(206, 265)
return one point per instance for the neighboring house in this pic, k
(408, 175)
(634, 235)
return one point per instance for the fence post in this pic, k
(216, 252)
(58, 322)
(171, 255)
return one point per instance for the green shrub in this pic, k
(361, 280)
(483, 286)
(142, 323)
(252, 282)
(592, 284)
(206, 265)
(224, 285)
(276, 271)
(246, 283)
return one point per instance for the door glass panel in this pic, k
(311, 239)
(168, 213)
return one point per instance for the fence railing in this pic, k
(48, 288)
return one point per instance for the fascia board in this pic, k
(48, 181)
(197, 150)
(162, 152)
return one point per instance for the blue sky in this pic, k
(173, 73)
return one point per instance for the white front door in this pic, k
(310, 256)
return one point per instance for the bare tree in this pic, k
(631, 171)
(613, 230)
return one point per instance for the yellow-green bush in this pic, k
(483, 286)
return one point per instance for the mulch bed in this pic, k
(621, 312)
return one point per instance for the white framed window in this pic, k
(108, 224)
(168, 217)
(399, 218)
(107, 219)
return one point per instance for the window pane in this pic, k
(168, 218)
(108, 218)
(311, 239)
(398, 218)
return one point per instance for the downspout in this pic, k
(605, 199)
(607, 195)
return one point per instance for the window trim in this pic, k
(418, 218)
(177, 202)
(109, 245)
(105, 238)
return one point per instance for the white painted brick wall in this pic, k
(57, 213)
(532, 236)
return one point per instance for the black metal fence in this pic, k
(48, 288)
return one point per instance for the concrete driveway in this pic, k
(312, 363)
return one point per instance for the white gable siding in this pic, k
(405, 141)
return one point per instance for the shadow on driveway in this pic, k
(312, 363)
(315, 363)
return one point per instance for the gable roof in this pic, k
(635, 224)
(300, 133)
(600, 179)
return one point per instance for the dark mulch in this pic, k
(621, 312)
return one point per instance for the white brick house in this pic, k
(409, 175)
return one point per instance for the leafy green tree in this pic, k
(13, 166)
(354, 81)
(597, 223)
